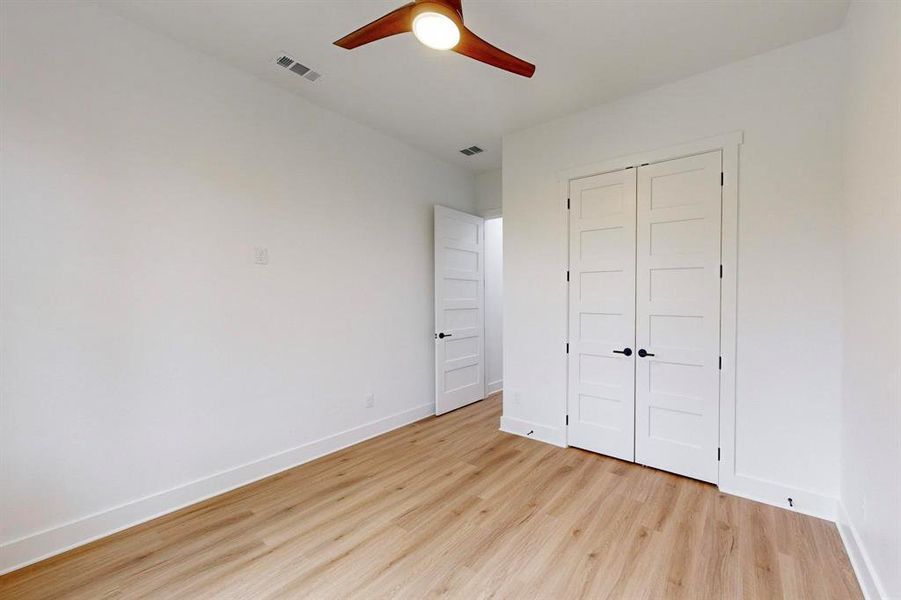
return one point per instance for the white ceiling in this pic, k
(586, 52)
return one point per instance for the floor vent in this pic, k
(297, 68)
(471, 150)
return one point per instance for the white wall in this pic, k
(789, 297)
(489, 193)
(142, 348)
(871, 432)
(494, 305)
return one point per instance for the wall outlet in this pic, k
(370, 400)
(261, 256)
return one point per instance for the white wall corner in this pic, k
(39, 546)
(492, 387)
(534, 431)
(869, 581)
(489, 196)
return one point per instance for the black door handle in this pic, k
(642, 353)
(443, 335)
(626, 351)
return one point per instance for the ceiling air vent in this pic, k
(471, 150)
(297, 68)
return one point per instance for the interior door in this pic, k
(678, 315)
(602, 314)
(459, 309)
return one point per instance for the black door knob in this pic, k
(642, 353)
(443, 335)
(626, 351)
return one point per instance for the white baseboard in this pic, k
(777, 494)
(869, 581)
(33, 548)
(534, 431)
(493, 387)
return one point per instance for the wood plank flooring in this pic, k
(451, 507)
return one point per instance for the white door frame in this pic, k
(729, 144)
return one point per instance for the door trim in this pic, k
(729, 145)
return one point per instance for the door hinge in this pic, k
(567, 275)
(567, 204)
(644, 164)
(718, 454)
(567, 347)
(722, 179)
(567, 419)
(721, 271)
(721, 363)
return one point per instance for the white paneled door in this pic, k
(602, 314)
(678, 315)
(644, 320)
(459, 309)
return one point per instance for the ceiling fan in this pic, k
(438, 24)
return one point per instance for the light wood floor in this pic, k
(451, 507)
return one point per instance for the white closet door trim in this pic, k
(720, 142)
(729, 315)
(729, 144)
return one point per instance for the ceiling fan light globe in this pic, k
(436, 30)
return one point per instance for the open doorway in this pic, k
(469, 362)
(494, 314)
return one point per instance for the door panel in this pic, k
(459, 309)
(677, 315)
(602, 313)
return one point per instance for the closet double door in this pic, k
(644, 314)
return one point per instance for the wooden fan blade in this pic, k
(475, 47)
(396, 21)
(456, 5)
